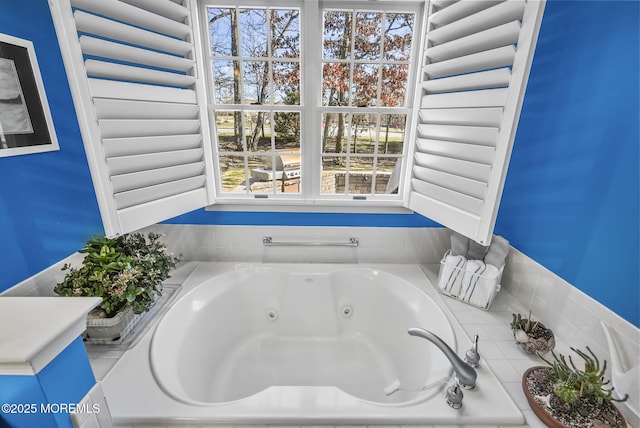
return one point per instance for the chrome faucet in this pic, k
(465, 374)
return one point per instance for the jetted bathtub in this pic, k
(301, 344)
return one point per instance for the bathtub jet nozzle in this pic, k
(465, 374)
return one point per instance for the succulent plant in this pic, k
(571, 383)
(532, 336)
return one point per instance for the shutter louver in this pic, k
(477, 57)
(134, 75)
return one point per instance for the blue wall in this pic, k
(570, 201)
(47, 205)
(571, 197)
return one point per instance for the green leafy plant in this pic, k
(125, 271)
(571, 383)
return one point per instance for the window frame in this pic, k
(311, 110)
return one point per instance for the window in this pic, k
(255, 77)
(283, 134)
(305, 101)
(365, 73)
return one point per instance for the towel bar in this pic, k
(268, 242)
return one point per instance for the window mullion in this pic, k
(312, 84)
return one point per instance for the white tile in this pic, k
(419, 426)
(517, 395)
(465, 317)
(494, 316)
(522, 365)
(219, 426)
(77, 419)
(472, 330)
(505, 371)
(91, 422)
(499, 332)
(532, 420)
(101, 366)
(511, 350)
(376, 426)
(489, 351)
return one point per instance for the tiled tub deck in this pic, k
(496, 344)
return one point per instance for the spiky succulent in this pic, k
(571, 383)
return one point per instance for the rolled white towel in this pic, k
(476, 251)
(472, 271)
(459, 244)
(451, 272)
(485, 287)
(497, 253)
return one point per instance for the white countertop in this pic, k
(33, 330)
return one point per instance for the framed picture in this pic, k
(25, 120)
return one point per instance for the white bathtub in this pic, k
(300, 344)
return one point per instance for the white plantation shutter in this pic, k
(133, 76)
(476, 61)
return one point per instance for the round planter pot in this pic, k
(538, 345)
(541, 411)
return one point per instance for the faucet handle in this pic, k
(454, 396)
(472, 356)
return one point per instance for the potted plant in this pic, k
(563, 395)
(532, 336)
(127, 272)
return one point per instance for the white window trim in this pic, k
(311, 111)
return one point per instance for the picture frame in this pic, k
(26, 125)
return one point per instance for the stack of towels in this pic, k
(471, 271)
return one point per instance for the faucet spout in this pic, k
(464, 372)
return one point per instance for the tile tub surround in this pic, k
(496, 347)
(525, 285)
(244, 243)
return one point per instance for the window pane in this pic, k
(253, 32)
(391, 134)
(383, 174)
(287, 130)
(334, 172)
(398, 31)
(229, 131)
(233, 173)
(263, 176)
(363, 133)
(334, 132)
(365, 85)
(255, 80)
(285, 33)
(368, 35)
(335, 84)
(337, 35)
(286, 83)
(386, 165)
(257, 125)
(225, 86)
(220, 31)
(360, 175)
(394, 85)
